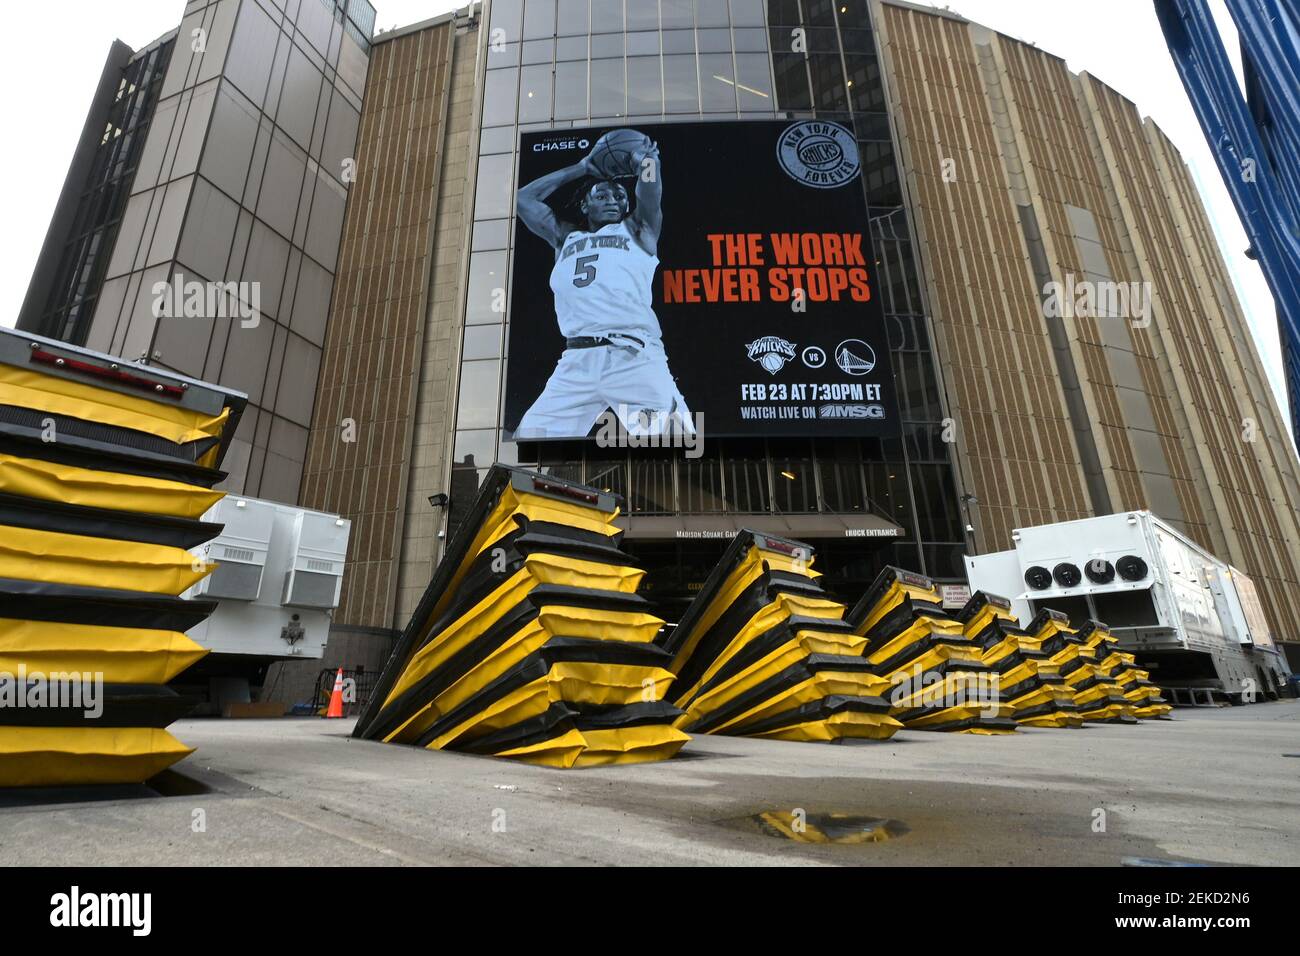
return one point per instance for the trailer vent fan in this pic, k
(1038, 578)
(1099, 571)
(1067, 575)
(1131, 567)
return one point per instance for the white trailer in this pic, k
(277, 581)
(1195, 621)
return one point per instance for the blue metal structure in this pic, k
(1255, 137)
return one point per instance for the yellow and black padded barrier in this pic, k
(938, 679)
(1028, 680)
(530, 641)
(763, 652)
(106, 469)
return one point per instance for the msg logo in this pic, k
(851, 411)
(75, 909)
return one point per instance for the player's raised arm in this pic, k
(649, 214)
(530, 202)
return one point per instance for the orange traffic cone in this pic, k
(336, 697)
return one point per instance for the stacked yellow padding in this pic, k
(1131, 691)
(762, 652)
(50, 563)
(1027, 678)
(936, 673)
(531, 642)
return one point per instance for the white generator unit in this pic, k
(1193, 620)
(278, 577)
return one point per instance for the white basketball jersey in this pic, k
(602, 283)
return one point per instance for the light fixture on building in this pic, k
(439, 500)
(788, 474)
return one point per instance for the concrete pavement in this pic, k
(1210, 785)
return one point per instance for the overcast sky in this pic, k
(1118, 41)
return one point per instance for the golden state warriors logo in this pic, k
(818, 154)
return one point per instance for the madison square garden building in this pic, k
(857, 266)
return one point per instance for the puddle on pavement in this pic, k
(840, 828)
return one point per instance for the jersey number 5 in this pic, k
(584, 273)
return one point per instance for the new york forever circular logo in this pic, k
(818, 154)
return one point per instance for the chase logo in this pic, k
(851, 411)
(818, 154)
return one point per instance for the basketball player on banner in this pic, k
(606, 255)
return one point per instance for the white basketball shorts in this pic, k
(634, 383)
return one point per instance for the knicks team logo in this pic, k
(818, 154)
(771, 352)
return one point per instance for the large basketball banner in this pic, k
(664, 272)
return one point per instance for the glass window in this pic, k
(858, 41)
(495, 185)
(497, 139)
(641, 44)
(681, 90)
(677, 14)
(607, 88)
(298, 98)
(643, 15)
(491, 234)
(485, 301)
(477, 445)
(717, 86)
(679, 41)
(747, 13)
(872, 127)
(651, 490)
(606, 16)
(571, 90)
(644, 86)
(714, 41)
(605, 45)
(820, 12)
(534, 94)
(711, 13)
(753, 81)
(479, 386)
(539, 51)
(209, 229)
(864, 83)
(539, 19)
(791, 71)
(571, 48)
(795, 483)
(750, 40)
(234, 128)
(499, 93)
(572, 18)
(286, 166)
(502, 55)
(252, 49)
(841, 477)
(881, 174)
(747, 485)
(829, 92)
(854, 14)
(481, 342)
(325, 228)
(783, 12)
(700, 485)
(822, 40)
